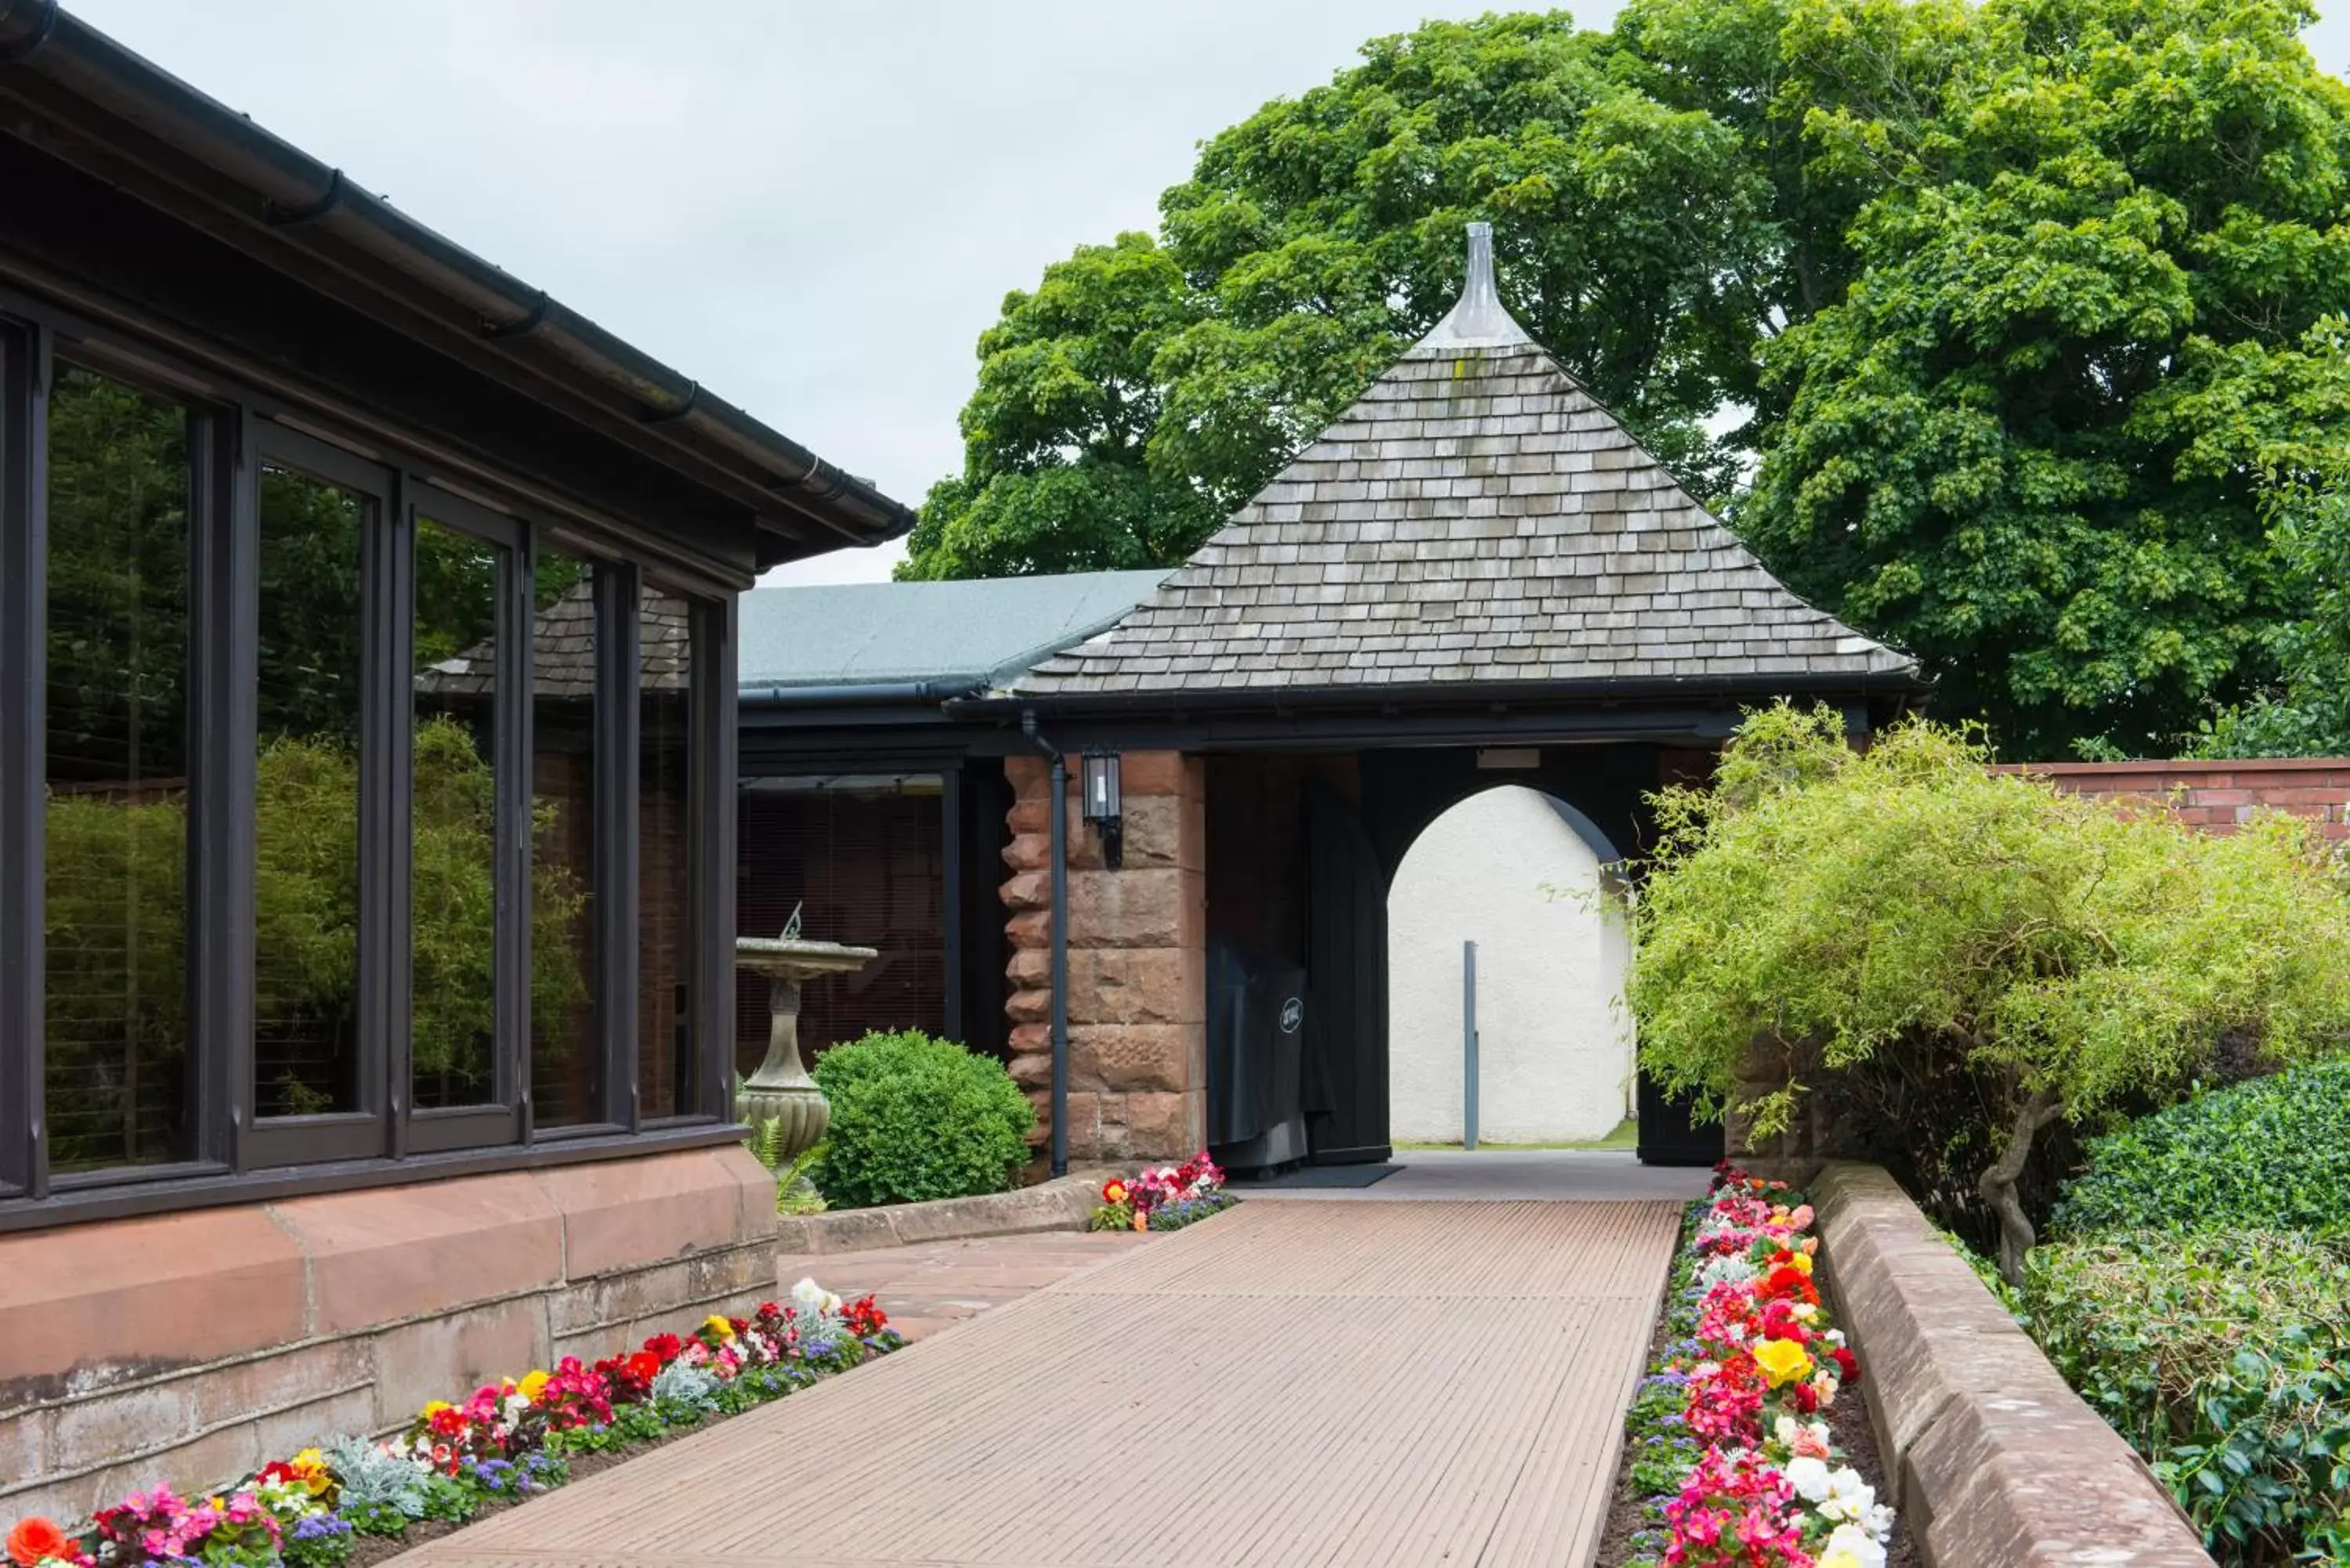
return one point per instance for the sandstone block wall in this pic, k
(1137, 960)
(1993, 1462)
(188, 1349)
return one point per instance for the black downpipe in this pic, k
(1060, 924)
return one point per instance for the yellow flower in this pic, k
(434, 1406)
(717, 1324)
(1782, 1361)
(533, 1385)
(1801, 1261)
(1836, 1557)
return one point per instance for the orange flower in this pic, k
(35, 1540)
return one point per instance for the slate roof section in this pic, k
(563, 654)
(961, 634)
(1475, 518)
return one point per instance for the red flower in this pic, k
(1847, 1366)
(644, 1366)
(665, 1347)
(36, 1538)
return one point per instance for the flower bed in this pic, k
(1729, 1439)
(510, 1440)
(1167, 1198)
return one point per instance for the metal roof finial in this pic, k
(1478, 321)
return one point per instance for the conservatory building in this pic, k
(367, 797)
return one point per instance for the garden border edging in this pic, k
(1995, 1462)
(1065, 1203)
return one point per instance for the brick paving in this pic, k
(1291, 1383)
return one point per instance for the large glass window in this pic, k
(565, 1045)
(306, 1044)
(454, 889)
(116, 1067)
(666, 1075)
(344, 797)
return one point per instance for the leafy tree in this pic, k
(2306, 713)
(2030, 306)
(1828, 914)
(2097, 313)
(1145, 390)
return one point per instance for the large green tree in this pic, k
(2020, 317)
(2093, 322)
(1145, 389)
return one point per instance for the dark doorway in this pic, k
(1345, 979)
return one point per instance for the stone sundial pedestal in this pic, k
(781, 1090)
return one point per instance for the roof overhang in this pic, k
(1369, 717)
(92, 105)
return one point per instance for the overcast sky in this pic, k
(813, 208)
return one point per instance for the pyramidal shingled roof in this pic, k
(1474, 517)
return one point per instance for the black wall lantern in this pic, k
(1104, 807)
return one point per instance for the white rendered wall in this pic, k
(1504, 869)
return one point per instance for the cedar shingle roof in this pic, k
(1475, 516)
(563, 650)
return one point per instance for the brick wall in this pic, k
(2218, 796)
(1137, 960)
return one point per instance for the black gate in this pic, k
(1345, 977)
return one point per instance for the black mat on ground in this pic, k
(1318, 1176)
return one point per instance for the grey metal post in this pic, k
(1468, 1044)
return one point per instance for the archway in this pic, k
(1529, 879)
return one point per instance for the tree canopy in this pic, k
(1997, 329)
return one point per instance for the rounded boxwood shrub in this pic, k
(2270, 1154)
(914, 1119)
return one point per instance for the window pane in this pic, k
(116, 1064)
(565, 1058)
(665, 1057)
(454, 876)
(305, 1040)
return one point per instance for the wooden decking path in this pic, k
(1292, 1383)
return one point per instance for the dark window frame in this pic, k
(234, 430)
(365, 1132)
(209, 433)
(504, 1117)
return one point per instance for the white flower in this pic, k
(810, 1297)
(1802, 1312)
(1850, 1547)
(1848, 1497)
(1809, 1477)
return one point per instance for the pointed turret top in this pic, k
(1475, 518)
(1478, 320)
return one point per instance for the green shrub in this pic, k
(2221, 1358)
(914, 1117)
(1903, 916)
(2271, 1154)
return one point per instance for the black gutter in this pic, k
(295, 192)
(1060, 925)
(849, 693)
